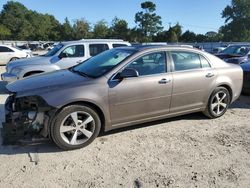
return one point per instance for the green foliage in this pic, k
(81, 29)
(101, 30)
(4, 32)
(148, 22)
(237, 21)
(67, 31)
(119, 29)
(188, 36)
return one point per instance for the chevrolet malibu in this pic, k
(118, 88)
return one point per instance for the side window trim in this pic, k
(207, 62)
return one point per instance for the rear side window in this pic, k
(118, 45)
(5, 49)
(204, 62)
(185, 60)
(95, 49)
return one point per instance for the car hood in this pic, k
(48, 81)
(29, 61)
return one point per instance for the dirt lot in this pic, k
(188, 151)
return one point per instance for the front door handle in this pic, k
(79, 61)
(209, 75)
(164, 81)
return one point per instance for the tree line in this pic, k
(19, 23)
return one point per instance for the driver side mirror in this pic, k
(129, 73)
(63, 55)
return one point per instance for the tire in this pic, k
(69, 136)
(217, 109)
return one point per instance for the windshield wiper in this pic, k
(79, 72)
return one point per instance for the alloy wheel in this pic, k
(77, 128)
(219, 103)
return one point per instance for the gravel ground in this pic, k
(188, 151)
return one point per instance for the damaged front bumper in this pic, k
(25, 117)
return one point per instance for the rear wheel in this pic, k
(75, 127)
(218, 103)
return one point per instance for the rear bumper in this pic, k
(8, 77)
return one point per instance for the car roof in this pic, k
(151, 47)
(93, 41)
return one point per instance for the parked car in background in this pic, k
(236, 54)
(217, 50)
(246, 80)
(9, 53)
(118, 88)
(62, 56)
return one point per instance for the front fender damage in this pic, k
(25, 117)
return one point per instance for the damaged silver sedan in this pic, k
(118, 88)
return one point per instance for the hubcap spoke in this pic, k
(223, 97)
(214, 105)
(217, 97)
(218, 109)
(64, 129)
(87, 133)
(74, 137)
(88, 120)
(74, 117)
(223, 104)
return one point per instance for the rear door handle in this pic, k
(209, 75)
(164, 81)
(79, 61)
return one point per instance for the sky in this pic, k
(199, 16)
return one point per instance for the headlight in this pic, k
(15, 71)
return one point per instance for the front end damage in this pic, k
(25, 118)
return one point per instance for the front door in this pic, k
(71, 56)
(142, 97)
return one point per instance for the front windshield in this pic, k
(236, 50)
(54, 50)
(103, 63)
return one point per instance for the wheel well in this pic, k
(31, 73)
(92, 105)
(14, 58)
(229, 89)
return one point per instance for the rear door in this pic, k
(193, 79)
(97, 48)
(146, 96)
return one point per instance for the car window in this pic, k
(103, 62)
(74, 51)
(154, 63)
(54, 50)
(185, 60)
(5, 49)
(204, 62)
(95, 49)
(118, 45)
